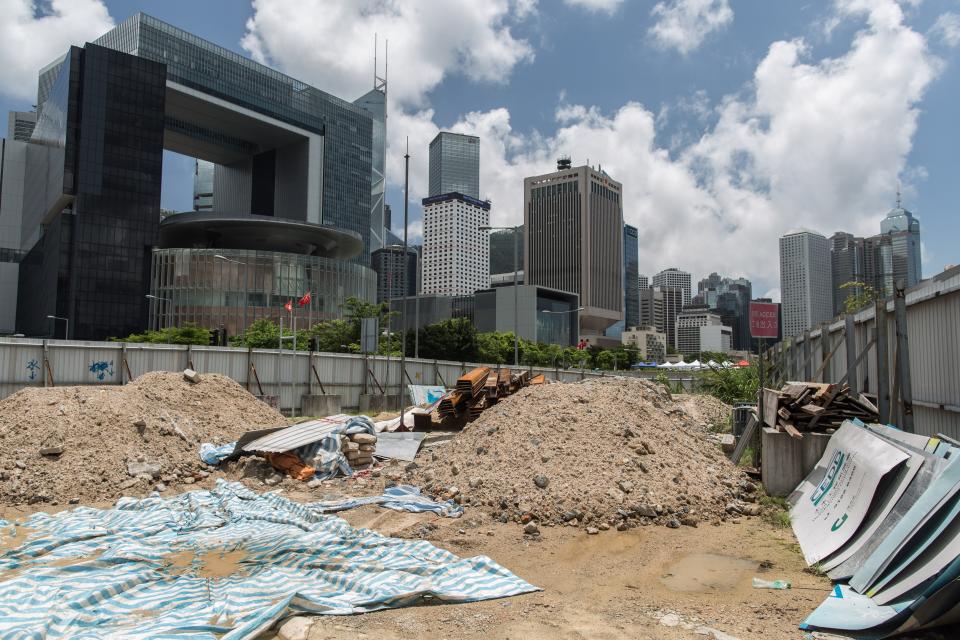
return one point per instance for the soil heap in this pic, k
(612, 452)
(96, 443)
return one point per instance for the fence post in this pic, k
(46, 363)
(883, 361)
(123, 362)
(850, 336)
(824, 350)
(903, 358)
(249, 365)
(807, 357)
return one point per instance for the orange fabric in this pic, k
(290, 464)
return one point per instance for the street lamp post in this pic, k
(66, 326)
(516, 312)
(246, 286)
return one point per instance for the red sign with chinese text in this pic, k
(764, 319)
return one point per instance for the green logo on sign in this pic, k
(839, 523)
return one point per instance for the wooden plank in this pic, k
(784, 413)
(812, 409)
(771, 402)
(792, 430)
(748, 432)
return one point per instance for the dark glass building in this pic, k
(389, 265)
(280, 149)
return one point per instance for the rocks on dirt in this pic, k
(531, 529)
(191, 376)
(589, 458)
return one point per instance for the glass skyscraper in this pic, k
(904, 232)
(455, 164)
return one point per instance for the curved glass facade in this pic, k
(234, 287)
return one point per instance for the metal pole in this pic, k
(403, 312)
(516, 314)
(807, 360)
(903, 358)
(246, 295)
(293, 366)
(824, 350)
(850, 336)
(883, 361)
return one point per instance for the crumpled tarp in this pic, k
(401, 497)
(154, 568)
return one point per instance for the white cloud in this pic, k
(684, 24)
(606, 6)
(330, 42)
(30, 39)
(947, 29)
(821, 142)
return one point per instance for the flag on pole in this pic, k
(305, 300)
(289, 306)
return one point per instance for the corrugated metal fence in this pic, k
(271, 372)
(925, 395)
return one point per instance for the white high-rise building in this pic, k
(806, 292)
(673, 277)
(456, 253)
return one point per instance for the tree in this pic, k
(261, 334)
(189, 333)
(605, 359)
(860, 295)
(336, 336)
(454, 339)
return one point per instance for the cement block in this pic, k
(320, 404)
(787, 461)
(373, 403)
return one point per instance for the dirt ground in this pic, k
(609, 585)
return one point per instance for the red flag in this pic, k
(305, 300)
(289, 306)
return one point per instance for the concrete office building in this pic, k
(643, 282)
(203, 185)
(427, 309)
(674, 277)
(374, 102)
(806, 290)
(494, 311)
(698, 330)
(573, 241)
(388, 263)
(284, 153)
(20, 125)
(730, 299)
(455, 165)
(456, 253)
(650, 344)
(846, 265)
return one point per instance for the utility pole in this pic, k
(403, 312)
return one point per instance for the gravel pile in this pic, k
(90, 444)
(614, 452)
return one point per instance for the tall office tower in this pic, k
(673, 277)
(203, 185)
(573, 241)
(644, 282)
(806, 291)
(649, 306)
(13, 174)
(670, 303)
(878, 264)
(455, 164)
(391, 281)
(20, 125)
(631, 276)
(456, 253)
(106, 112)
(709, 288)
(374, 102)
(501, 251)
(846, 265)
(904, 232)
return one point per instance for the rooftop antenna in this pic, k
(898, 194)
(380, 83)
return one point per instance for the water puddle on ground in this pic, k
(706, 573)
(208, 564)
(13, 535)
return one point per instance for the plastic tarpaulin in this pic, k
(155, 568)
(830, 504)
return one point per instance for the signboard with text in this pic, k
(764, 320)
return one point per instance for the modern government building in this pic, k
(290, 200)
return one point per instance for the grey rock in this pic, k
(622, 526)
(161, 487)
(149, 469)
(673, 523)
(592, 531)
(20, 464)
(52, 450)
(296, 628)
(541, 481)
(315, 483)
(273, 480)
(645, 510)
(689, 521)
(191, 376)
(531, 529)
(625, 485)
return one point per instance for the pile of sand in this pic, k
(90, 444)
(613, 452)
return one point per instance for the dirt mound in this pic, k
(703, 409)
(91, 444)
(603, 453)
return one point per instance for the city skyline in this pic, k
(697, 89)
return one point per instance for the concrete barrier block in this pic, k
(320, 404)
(787, 461)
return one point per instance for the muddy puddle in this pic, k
(209, 564)
(707, 573)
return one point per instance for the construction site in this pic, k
(506, 505)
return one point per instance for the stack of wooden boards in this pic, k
(814, 406)
(473, 392)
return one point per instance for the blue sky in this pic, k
(728, 122)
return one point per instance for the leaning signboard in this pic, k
(830, 504)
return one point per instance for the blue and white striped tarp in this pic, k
(225, 563)
(401, 497)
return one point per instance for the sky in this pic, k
(728, 122)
